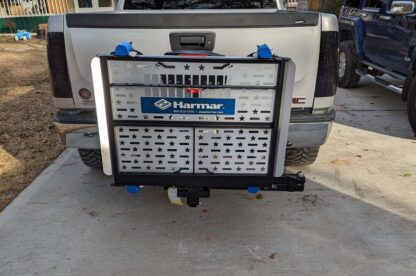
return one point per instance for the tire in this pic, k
(348, 64)
(91, 158)
(301, 156)
(411, 104)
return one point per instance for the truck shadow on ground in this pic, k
(373, 108)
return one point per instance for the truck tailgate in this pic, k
(294, 35)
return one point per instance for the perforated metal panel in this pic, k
(232, 151)
(154, 149)
(192, 73)
(251, 106)
(174, 99)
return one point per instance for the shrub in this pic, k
(331, 6)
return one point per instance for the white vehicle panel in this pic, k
(301, 44)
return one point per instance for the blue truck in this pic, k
(378, 42)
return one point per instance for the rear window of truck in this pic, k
(197, 4)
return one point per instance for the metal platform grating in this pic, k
(252, 106)
(232, 151)
(203, 73)
(154, 149)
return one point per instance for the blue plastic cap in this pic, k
(123, 49)
(133, 189)
(264, 52)
(253, 190)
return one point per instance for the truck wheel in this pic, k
(301, 156)
(91, 157)
(411, 104)
(348, 64)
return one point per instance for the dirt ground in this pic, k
(28, 140)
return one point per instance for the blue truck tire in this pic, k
(348, 64)
(411, 103)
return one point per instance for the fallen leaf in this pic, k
(204, 210)
(259, 197)
(359, 156)
(273, 256)
(209, 237)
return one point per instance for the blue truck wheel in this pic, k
(348, 64)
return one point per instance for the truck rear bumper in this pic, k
(79, 130)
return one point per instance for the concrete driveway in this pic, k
(356, 217)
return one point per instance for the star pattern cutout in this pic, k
(203, 159)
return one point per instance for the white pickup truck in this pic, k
(226, 27)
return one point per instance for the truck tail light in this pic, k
(326, 83)
(58, 67)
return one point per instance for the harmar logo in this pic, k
(189, 106)
(163, 104)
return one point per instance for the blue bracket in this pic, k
(133, 189)
(264, 52)
(123, 49)
(253, 190)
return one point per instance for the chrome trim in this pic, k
(308, 134)
(83, 136)
(63, 103)
(329, 22)
(384, 70)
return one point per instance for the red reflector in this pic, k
(193, 90)
(298, 100)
